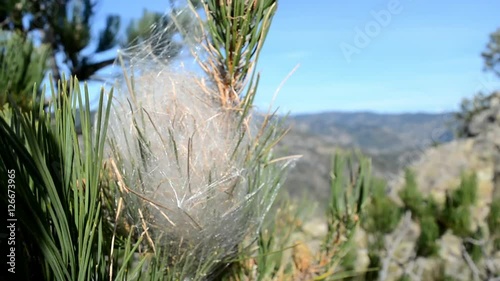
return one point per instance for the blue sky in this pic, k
(385, 56)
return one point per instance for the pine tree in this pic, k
(22, 67)
(491, 55)
(65, 26)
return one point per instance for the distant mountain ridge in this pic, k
(392, 140)
(375, 131)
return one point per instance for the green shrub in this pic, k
(466, 193)
(429, 234)
(474, 247)
(382, 214)
(456, 214)
(412, 198)
(493, 221)
(493, 218)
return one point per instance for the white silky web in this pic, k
(192, 171)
